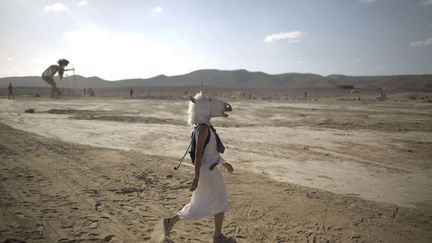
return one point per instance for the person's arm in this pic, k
(202, 136)
(228, 167)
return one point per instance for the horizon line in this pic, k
(232, 70)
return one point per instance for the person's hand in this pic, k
(194, 185)
(228, 167)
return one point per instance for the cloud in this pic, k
(82, 3)
(290, 37)
(426, 2)
(300, 62)
(367, 1)
(56, 7)
(157, 10)
(427, 42)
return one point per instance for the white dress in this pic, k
(210, 197)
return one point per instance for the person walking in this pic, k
(10, 92)
(209, 196)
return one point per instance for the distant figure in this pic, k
(383, 93)
(10, 92)
(91, 92)
(131, 93)
(305, 95)
(85, 92)
(48, 76)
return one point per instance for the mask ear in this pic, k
(192, 99)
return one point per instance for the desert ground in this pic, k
(321, 169)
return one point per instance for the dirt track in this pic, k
(57, 192)
(101, 170)
(378, 151)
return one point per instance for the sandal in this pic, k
(223, 239)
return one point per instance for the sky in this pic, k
(115, 39)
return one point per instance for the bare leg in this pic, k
(169, 224)
(218, 221)
(174, 220)
(55, 92)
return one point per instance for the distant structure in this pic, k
(10, 92)
(345, 86)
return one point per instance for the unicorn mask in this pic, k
(201, 109)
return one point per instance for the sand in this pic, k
(101, 169)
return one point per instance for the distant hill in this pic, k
(402, 82)
(238, 79)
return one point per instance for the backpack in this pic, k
(193, 143)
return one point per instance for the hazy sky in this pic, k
(116, 39)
